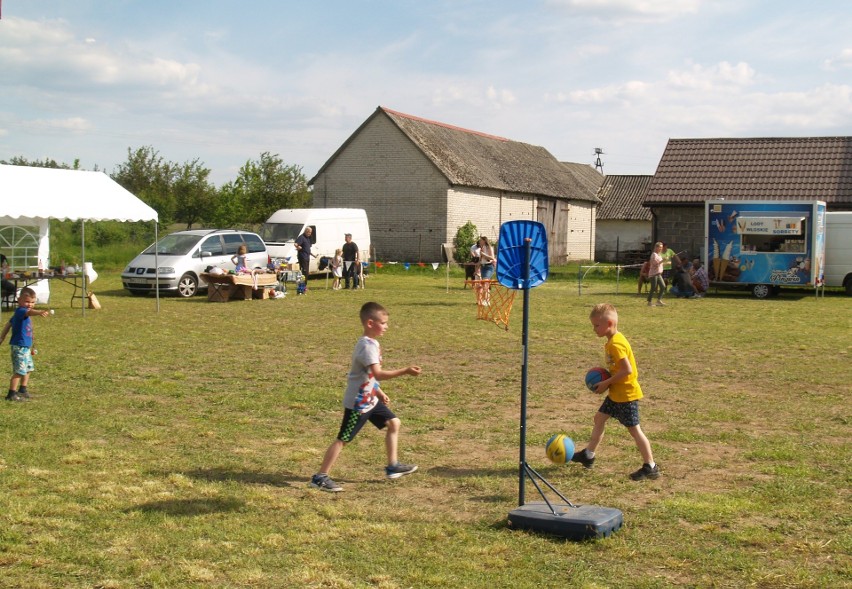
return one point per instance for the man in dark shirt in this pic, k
(303, 246)
(351, 260)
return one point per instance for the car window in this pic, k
(176, 244)
(212, 244)
(253, 243)
(233, 241)
(280, 232)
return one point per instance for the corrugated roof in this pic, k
(782, 168)
(478, 160)
(621, 198)
(586, 175)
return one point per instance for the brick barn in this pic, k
(420, 180)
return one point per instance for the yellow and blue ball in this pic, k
(559, 449)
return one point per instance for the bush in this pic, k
(465, 237)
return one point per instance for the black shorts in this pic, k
(353, 421)
(627, 413)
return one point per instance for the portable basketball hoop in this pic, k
(493, 302)
(523, 265)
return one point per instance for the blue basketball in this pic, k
(594, 376)
(559, 449)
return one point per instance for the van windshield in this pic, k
(173, 245)
(280, 232)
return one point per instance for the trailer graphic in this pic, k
(763, 245)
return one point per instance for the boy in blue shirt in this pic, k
(21, 343)
(365, 401)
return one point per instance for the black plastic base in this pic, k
(578, 522)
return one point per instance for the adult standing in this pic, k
(671, 261)
(655, 275)
(487, 259)
(351, 261)
(303, 247)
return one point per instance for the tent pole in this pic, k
(83, 257)
(157, 262)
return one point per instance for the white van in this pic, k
(329, 229)
(838, 250)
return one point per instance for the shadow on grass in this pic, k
(189, 507)
(455, 473)
(433, 304)
(280, 479)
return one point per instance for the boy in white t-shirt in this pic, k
(365, 400)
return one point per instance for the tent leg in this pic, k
(157, 263)
(83, 258)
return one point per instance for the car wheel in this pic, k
(848, 286)
(188, 285)
(760, 291)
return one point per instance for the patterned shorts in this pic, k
(627, 414)
(22, 360)
(353, 421)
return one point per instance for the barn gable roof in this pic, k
(621, 198)
(478, 160)
(780, 168)
(586, 175)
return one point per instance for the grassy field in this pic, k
(173, 449)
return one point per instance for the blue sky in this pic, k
(222, 82)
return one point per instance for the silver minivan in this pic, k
(185, 255)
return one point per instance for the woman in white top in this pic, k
(487, 261)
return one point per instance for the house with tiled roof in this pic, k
(622, 225)
(420, 180)
(692, 171)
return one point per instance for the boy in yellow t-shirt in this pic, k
(622, 400)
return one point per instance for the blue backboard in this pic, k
(511, 260)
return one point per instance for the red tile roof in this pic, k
(781, 168)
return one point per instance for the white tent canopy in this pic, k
(32, 196)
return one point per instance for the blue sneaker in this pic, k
(399, 470)
(323, 482)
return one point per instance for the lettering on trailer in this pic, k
(785, 276)
(769, 225)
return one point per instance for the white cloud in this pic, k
(842, 61)
(47, 55)
(722, 74)
(629, 10)
(616, 93)
(73, 124)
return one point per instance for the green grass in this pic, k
(173, 449)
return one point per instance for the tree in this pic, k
(149, 177)
(193, 195)
(20, 160)
(266, 185)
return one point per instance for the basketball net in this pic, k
(493, 302)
